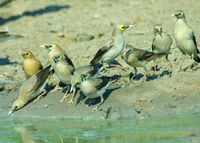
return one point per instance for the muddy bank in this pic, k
(164, 96)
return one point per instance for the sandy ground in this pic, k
(34, 23)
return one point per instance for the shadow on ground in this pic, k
(48, 9)
(6, 61)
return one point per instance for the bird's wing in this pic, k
(68, 60)
(195, 42)
(152, 46)
(143, 54)
(102, 52)
(38, 79)
(99, 83)
(35, 85)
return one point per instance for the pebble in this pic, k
(80, 37)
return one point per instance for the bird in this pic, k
(61, 63)
(184, 36)
(161, 42)
(32, 88)
(30, 65)
(138, 57)
(94, 87)
(113, 48)
(86, 70)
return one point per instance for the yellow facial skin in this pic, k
(121, 27)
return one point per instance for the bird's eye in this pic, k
(122, 27)
(17, 105)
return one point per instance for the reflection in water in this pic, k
(27, 134)
(166, 129)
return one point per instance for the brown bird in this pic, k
(31, 89)
(138, 57)
(30, 64)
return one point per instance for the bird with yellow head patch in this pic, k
(31, 89)
(61, 63)
(30, 65)
(114, 46)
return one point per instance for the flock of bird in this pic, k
(88, 78)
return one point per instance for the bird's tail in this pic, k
(196, 58)
(159, 55)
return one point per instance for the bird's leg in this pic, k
(73, 96)
(57, 87)
(65, 95)
(102, 101)
(145, 75)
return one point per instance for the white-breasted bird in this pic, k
(94, 87)
(61, 63)
(87, 71)
(161, 42)
(184, 36)
(113, 48)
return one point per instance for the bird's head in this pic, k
(27, 55)
(50, 47)
(122, 27)
(16, 106)
(179, 14)
(157, 29)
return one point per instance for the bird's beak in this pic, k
(11, 112)
(173, 14)
(128, 26)
(45, 46)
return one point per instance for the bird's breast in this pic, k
(87, 88)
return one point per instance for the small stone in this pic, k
(46, 106)
(60, 34)
(83, 37)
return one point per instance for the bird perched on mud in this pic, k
(161, 42)
(30, 64)
(114, 46)
(31, 89)
(138, 58)
(61, 63)
(184, 36)
(94, 87)
(87, 71)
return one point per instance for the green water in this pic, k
(173, 129)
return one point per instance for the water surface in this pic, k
(170, 129)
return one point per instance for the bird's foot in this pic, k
(95, 109)
(71, 101)
(65, 96)
(56, 89)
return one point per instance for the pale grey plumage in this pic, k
(184, 36)
(60, 62)
(94, 87)
(113, 48)
(88, 71)
(162, 42)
